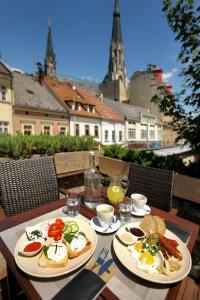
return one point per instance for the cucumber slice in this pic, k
(68, 229)
(70, 222)
(74, 227)
(64, 228)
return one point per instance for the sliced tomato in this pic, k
(58, 236)
(60, 226)
(59, 221)
(53, 227)
(51, 233)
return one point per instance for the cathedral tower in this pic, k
(114, 84)
(50, 58)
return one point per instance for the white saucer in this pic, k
(142, 212)
(96, 226)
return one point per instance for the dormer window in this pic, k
(76, 106)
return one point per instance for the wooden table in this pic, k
(24, 282)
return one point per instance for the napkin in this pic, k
(84, 286)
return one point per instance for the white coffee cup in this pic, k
(138, 201)
(105, 214)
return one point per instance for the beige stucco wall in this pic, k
(6, 114)
(38, 119)
(114, 90)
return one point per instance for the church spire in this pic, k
(50, 58)
(116, 75)
(116, 30)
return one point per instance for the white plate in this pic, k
(142, 212)
(30, 264)
(130, 263)
(96, 226)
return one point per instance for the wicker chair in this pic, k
(28, 183)
(155, 184)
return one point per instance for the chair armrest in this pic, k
(2, 214)
(63, 191)
(173, 211)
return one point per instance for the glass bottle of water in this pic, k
(92, 183)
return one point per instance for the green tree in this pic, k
(183, 17)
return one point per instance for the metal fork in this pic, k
(101, 258)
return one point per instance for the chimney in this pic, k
(158, 75)
(39, 72)
(169, 88)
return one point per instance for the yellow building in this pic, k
(6, 99)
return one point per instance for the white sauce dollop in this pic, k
(57, 251)
(78, 243)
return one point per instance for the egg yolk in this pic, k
(138, 247)
(147, 258)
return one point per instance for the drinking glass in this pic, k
(72, 204)
(125, 211)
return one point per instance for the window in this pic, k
(47, 129)
(131, 123)
(28, 129)
(152, 134)
(76, 106)
(62, 130)
(144, 119)
(159, 134)
(131, 133)
(143, 133)
(77, 129)
(106, 135)
(120, 136)
(113, 136)
(3, 93)
(152, 121)
(87, 130)
(96, 131)
(3, 127)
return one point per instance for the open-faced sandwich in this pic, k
(77, 244)
(54, 255)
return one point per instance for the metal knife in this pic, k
(105, 266)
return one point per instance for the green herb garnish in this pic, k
(68, 238)
(37, 233)
(45, 249)
(82, 233)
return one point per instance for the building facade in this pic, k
(36, 110)
(142, 129)
(143, 86)
(6, 99)
(88, 115)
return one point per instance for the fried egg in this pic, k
(145, 260)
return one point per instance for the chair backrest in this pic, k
(155, 184)
(27, 183)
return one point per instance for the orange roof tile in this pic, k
(65, 92)
(104, 110)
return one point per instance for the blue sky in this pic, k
(81, 35)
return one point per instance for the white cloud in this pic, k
(89, 78)
(168, 75)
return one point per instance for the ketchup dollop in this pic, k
(136, 231)
(34, 246)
